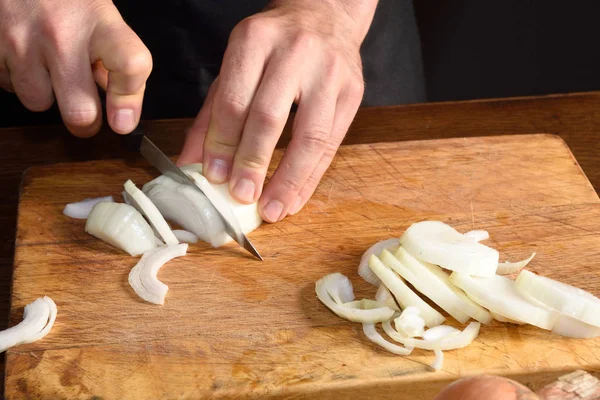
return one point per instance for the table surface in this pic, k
(574, 117)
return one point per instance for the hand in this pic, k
(58, 49)
(298, 51)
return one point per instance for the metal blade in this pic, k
(164, 164)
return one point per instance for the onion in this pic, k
(38, 319)
(363, 268)
(499, 294)
(374, 336)
(185, 236)
(440, 244)
(506, 268)
(335, 291)
(434, 283)
(502, 318)
(439, 332)
(451, 342)
(385, 296)
(438, 363)
(574, 328)
(122, 226)
(143, 277)
(143, 204)
(403, 294)
(81, 209)
(477, 235)
(409, 323)
(566, 299)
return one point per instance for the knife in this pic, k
(137, 141)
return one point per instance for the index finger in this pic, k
(129, 64)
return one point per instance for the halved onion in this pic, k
(335, 290)
(499, 294)
(507, 268)
(144, 205)
(122, 226)
(374, 336)
(403, 294)
(81, 209)
(38, 319)
(363, 267)
(451, 342)
(143, 277)
(434, 283)
(440, 244)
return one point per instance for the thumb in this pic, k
(129, 63)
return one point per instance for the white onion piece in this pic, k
(438, 363)
(566, 299)
(440, 244)
(122, 226)
(363, 267)
(185, 236)
(574, 328)
(409, 323)
(451, 342)
(143, 277)
(385, 296)
(499, 294)
(439, 332)
(81, 209)
(374, 336)
(506, 268)
(502, 318)
(338, 284)
(477, 235)
(144, 205)
(403, 294)
(434, 283)
(38, 319)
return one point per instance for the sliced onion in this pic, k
(502, 318)
(566, 299)
(333, 291)
(38, 319)
(81, 209)
(185, 236)
(434, 283)
(477, 235)
(440, 244)
(385, 296)
(363, 268)
(439, 332)
(403, 294)
(409, 323)
(452, 342)
(438, 363)
(143, 277)
(506, 268)
(374, 336)
(574, 328)
(499, 294)
(122, 226)
(145, 206)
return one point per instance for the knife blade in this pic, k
(138, 140)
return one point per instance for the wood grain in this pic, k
(235, 327)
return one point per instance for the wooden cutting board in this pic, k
(233, 327)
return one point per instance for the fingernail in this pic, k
(217, 171)
(244, 190)
(297, 205)
(273, 211)
(124, 120)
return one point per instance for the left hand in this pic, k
(297, 51)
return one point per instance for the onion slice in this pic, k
(477, 235)
(499, 294)
(144, 205)
(143, 277)
(438, 363)
(451, 342)
(434, 283)
(363, 267)
(506, 268)
(374, 336)
(335, 292)
(502, 318)
(81, 209)
(383, 295)
(403, 294)
(122, 226)
(409, 323)
(38, 319)
(185, 236)
(440, 244)
(440, 332)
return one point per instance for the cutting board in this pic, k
(234, 327)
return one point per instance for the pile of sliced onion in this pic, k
(38, 319)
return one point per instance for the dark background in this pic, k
(475, 49)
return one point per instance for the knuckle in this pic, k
(267, 118)
(36, 101)
(253, 28)
(315, 140)
(233, 104)
(334, 66)
(79, 118)
(220, 144)
(254, 162)
(138, 63)
(291, 184)
(304, 41)
(356, 86)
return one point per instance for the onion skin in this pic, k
(486, 387)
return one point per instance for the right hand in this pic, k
(59, 49)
